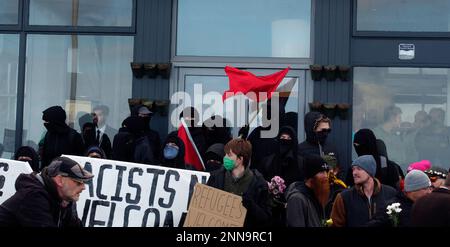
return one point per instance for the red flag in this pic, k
(244, 82)
(191, 154)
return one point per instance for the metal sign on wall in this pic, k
(406, 51)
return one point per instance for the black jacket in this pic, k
(303, 209)
(382, 219)
(37, 205)
(353, 209)
(255, 198)
(55, 144)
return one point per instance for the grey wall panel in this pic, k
(152, 45)
(332, 26)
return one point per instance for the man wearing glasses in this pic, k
(47, 199)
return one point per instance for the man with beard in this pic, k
(306, 200)
(60, 138)
(317, 129)
(356, 206)
(46, 199)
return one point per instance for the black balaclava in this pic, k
(366, 144)
(31, 153)
(56, 119)
(285, 146)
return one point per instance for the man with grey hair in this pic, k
(356, 206)
(434, 208)
(46, 199)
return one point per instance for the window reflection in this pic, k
(251, 28)
(9, 60)
(406, 108)
(83, 74)
(81, 12)
(403, 15)
(9, 12)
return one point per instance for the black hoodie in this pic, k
(285, 162)
(31, 153)
(37, 205)
(60, 138)
(387, 172)
(178, 161)
(311, 145)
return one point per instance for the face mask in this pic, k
(322, 136)
(49, 126)
(285, 146)
(170, 152)
(228, 163)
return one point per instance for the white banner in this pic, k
(128, 194)
(9, 171)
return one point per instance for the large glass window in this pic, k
(251, 28)
(408, 109)
(77, 73)
(9, 12)
(9, 60)
(81, 12)
(403, 15)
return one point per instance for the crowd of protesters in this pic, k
(283, 181)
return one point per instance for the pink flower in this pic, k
(276, 186)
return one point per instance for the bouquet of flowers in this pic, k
(393, 212)
(276, 190)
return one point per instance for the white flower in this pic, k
(398, 210)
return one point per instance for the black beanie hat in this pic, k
(313, 165)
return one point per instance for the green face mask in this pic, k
(228, 163)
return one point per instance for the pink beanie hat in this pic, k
(419, 165)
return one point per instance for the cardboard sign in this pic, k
(212, 207)
(9, 171)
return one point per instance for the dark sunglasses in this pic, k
(325, 130)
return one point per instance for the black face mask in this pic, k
(50, 126)
(146, 122)
(322, 136)
(362, 150)
(212, 165)
(285, 146)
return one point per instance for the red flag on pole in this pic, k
(244, 82)
(191, 155)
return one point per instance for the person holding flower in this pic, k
(306, 200)
(398, 210)
(357, 206)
